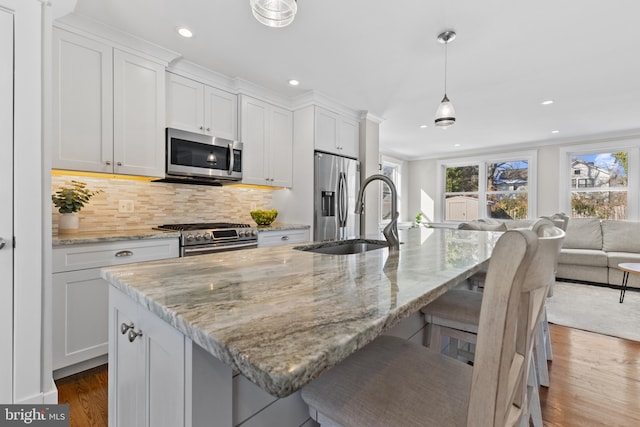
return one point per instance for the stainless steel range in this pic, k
(204, 238)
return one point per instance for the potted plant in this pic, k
(70, 200)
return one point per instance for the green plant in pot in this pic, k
(69, 200)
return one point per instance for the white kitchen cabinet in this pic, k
(79, 297)
(108, 108)
(282, 237)
(146, 367)
(335, 133)
(267, 134)
(196, 107)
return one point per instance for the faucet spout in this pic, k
(391, 230)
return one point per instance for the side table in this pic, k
(627, 267)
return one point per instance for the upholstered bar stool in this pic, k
(394, 382)
(455, 314)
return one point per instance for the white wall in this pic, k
(422, 188)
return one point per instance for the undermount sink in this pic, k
(344, 247)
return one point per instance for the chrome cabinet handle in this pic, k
(124, 327)
(133, 335)
(284, 238)
(108, 162)
(201, 127)
(2, 243)
(208, 129)
(124, 253)
(119, 163)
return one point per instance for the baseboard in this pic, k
(51, 396)
(79, 367)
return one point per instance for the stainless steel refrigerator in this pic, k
(336, 185)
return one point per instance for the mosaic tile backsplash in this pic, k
(157, 203)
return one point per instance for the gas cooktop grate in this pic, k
(202, 226)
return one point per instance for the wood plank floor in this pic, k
(595, 381)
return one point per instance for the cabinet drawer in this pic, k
(282, 237)
(93, 255)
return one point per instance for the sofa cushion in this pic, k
(518, 223)
(621, 236)
(590, 257)
(583, 233)
(616, 258)
(481, 226)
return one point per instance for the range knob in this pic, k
(241, 233)
(190, 237)
(254, 232)
(198, 236)
(207, 236)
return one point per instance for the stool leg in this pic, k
(625, 279)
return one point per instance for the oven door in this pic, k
(193, 154)
(216, 247)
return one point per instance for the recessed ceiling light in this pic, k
(555, 131)
(423, 126)
(294, 82)
(547, 102)
(185, 32)
(456, 145)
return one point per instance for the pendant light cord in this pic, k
(445, 67)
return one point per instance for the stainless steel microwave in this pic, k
(202, 159)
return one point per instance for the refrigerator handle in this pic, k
(342, 200)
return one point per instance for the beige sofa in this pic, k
(592, 248)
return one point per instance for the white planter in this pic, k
(68, 223)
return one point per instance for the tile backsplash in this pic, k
(157, 203)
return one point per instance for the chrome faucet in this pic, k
(391, 230)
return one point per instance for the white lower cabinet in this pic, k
(80, 295)
(159, 377)
(282, 237)
(146, 367)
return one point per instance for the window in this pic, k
(391, 170)
(600, 188)
(488, 188)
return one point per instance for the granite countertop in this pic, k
(276, 226)
(282, 316)
(110, 236)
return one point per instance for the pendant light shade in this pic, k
(446, 115)
(274, 13)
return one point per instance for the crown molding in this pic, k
(201, 74)
(96, 30)
(367, 115)
(314, 97)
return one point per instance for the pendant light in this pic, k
(446, 115)
(274, 13)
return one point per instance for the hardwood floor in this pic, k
(86, 394)
(595, 381)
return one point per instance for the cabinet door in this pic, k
(326, 131)
(164, 360)
(126, 364)
(349, 137)
(280, 147)
(282, 237)
(139, 110)
(80, 317)
(220, 113)
(185, 105)
(254, 134)
(82, 104)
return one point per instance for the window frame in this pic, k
(632, 147)
(397, 180)
(531, 156)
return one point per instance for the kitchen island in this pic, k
(276, 316)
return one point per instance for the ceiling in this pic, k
(383, 57)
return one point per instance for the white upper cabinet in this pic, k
(267, 135)
(108, 109)
(83, 103)
(138, 115)
(335, 133)
(196, 107)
